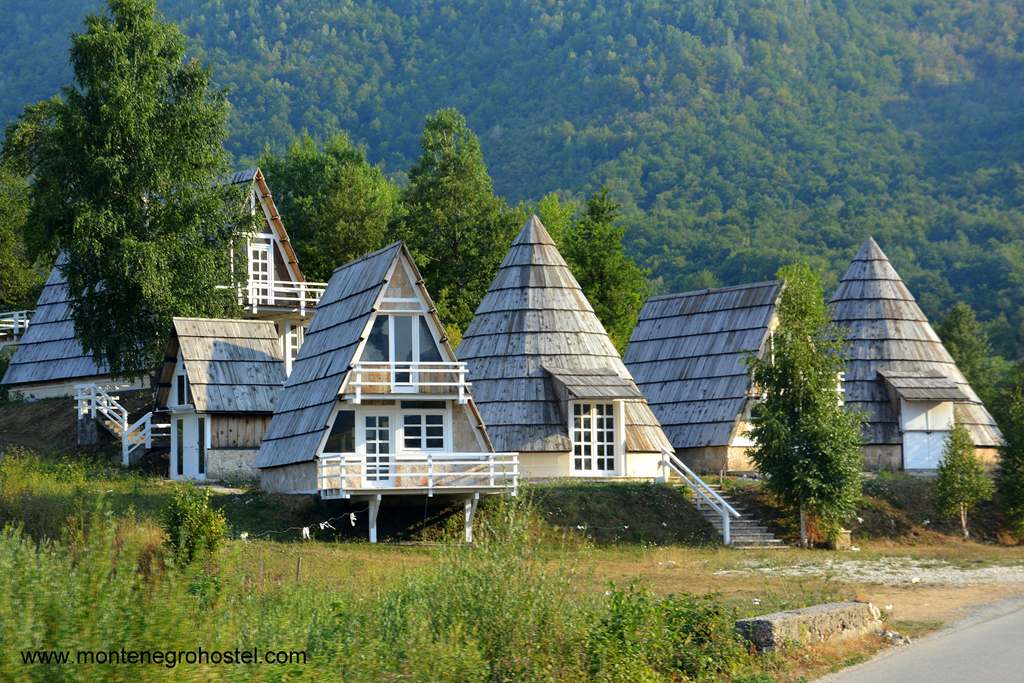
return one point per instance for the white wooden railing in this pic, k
(14, 324)
(300, 296)
(95, 402)
(670, 465)
(395, 378)
(339, 475)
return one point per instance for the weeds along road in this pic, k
(987, 647)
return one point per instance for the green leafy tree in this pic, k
(557, 215)
(966, 340)
(808, 445)
(614, 284)
(1010, 472)
(456, 227)
(19, 280)
(336, 205)
(962, 482)
(124, 170)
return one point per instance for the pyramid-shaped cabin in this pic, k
(689, 356)
(548, 381)
(899, 374)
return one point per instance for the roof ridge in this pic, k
(366, 257)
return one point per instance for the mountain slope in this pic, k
(737, 137)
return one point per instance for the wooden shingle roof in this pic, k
(688, 355)
(49, 351)
(533, 320)
(233, 366)
(889, 334)
(302, 414)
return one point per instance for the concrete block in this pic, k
(810, 625)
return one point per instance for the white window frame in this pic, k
(617, 443)
(291, 341)
(446, 427)
(262, 290)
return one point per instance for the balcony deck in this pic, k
(343, 475)
(280, 296)
(399, 380)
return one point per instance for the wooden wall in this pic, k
(237, 431)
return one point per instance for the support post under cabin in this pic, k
(471, 504)
(374, 509)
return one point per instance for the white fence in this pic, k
(94, 402)
(13, 325)
(339, 475)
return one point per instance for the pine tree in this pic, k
(336, 205)
(808, 446)
(613, 283)
(962, 482)
(124, 170)
(966, 340)
(455, 226)
(1010, 472)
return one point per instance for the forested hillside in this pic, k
(738, 135)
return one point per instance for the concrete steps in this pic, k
(746, 532)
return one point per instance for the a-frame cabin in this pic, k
(49, 360)
(548, 380)
(899, 374)
(377, 404)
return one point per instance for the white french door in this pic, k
(593, 439)
(377, 443)
(189, 446)
(261, 273)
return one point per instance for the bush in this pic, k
(191, 525)
(641, 637)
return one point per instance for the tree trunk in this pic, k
(803, 527)
(963, 521)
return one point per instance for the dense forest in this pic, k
(736, 135)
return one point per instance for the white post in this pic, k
(148, 426)
(374, 509)
(470, 512)
(726, 527)
(430, 475)
(490, 461)
(462, 385)
(92, 401)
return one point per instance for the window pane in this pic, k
(377, 345)
(342, 438)
(403, 339)
(429, 353)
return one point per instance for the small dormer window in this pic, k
(401, 339)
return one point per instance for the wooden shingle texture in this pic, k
(233, 366)
(533, 323)
(49, 351)
(688, 354)
(301, 415)
(890, 338)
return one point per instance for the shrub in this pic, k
(191, 525)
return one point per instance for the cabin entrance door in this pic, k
(377, 443)
(188, 446)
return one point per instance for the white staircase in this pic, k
(95, 402)
(736, 527)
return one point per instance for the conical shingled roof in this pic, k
(535, 316)
(888, 332)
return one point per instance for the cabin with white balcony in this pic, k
(49, 361)
(377, 405)
(219, 383)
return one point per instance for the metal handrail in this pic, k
(671, 463)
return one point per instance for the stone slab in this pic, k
(810, 625)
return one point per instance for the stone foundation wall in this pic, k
(232, 463)
(883, 458)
